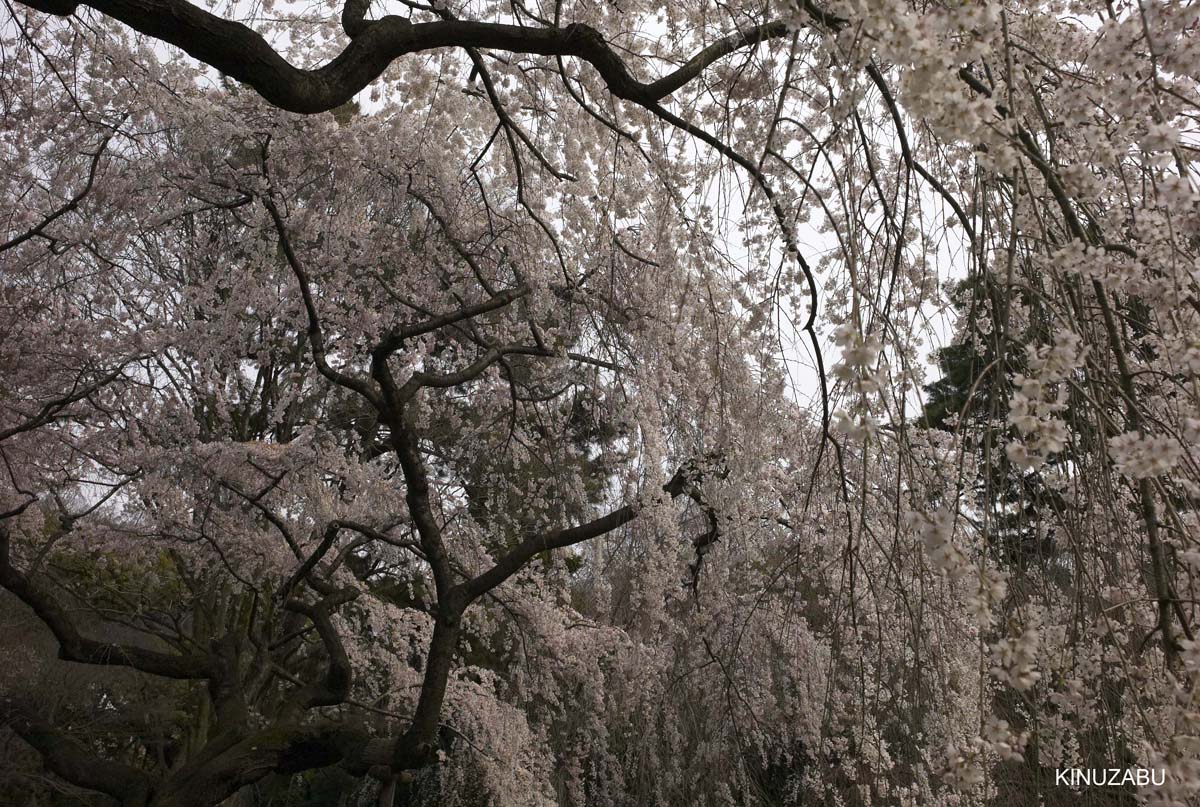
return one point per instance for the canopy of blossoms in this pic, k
(592, 403)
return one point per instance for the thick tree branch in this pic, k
(310, 563)
(72, 761)
(490, 357)
(393, 340)
(75, 647)
(240, 52)
(514, 560)
(415, 748)
(276, 749)
(334, 686)
(404, 442)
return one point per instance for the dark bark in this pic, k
(243, 54)
(73, 646)
(73, 761)
(275, 750)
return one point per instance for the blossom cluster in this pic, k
(937, 535)
(1039, 397)
(864, 375)
(1142, 456)
(1014, 659)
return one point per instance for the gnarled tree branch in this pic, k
(240, 52)
(73, 646)
(72, 761)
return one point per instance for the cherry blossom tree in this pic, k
(507, 403)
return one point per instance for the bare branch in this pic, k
(71, 204)
(51, 409)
